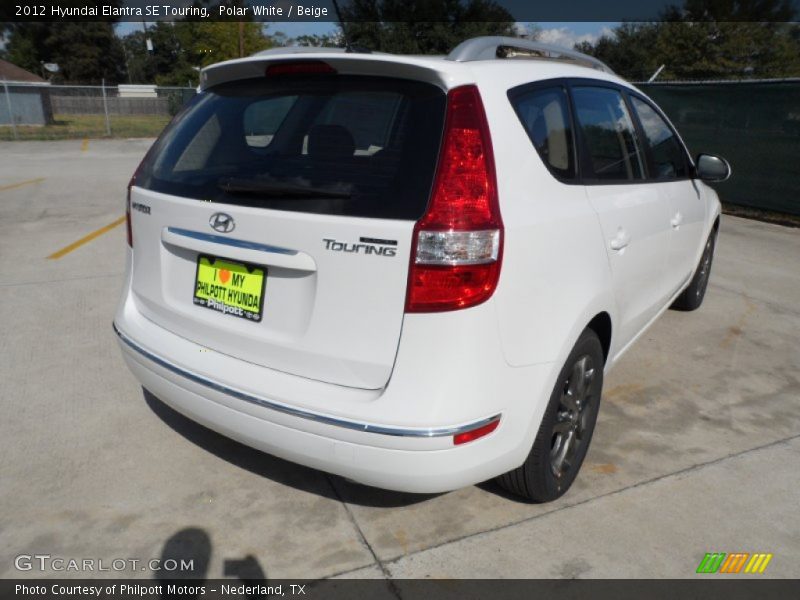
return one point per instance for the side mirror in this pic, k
(712, 168)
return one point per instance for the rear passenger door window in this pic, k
(669, 158)
(613, 150)
(545, 115)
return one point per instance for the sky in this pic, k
(560, 34)
(569, 34)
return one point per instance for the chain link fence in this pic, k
(753, 124)
(50, 112)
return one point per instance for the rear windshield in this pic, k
(326, 144)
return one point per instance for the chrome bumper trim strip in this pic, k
(298, 412)
(218, 239)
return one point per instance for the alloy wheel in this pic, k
(572, 417)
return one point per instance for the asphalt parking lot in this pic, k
(696, 450)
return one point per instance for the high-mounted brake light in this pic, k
(305, 67)
(458, 243)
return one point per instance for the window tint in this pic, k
(368, 115)
(668, 154)
(614, 151)
(545, 115)
(262, 119)
(340, 145)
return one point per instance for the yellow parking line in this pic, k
(86, 238)
(21, 183)
(85, 145)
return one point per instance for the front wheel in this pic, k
(692, 297)
(566, 429)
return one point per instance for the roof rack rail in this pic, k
(491, 47)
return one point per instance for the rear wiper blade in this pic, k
(277, 189)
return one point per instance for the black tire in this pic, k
(539, 479)
(692, 297)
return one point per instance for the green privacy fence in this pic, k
(754, 124)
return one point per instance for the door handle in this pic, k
(621, 240)
(676, 220)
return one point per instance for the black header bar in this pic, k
(407, 11)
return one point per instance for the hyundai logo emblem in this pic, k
(222, 222)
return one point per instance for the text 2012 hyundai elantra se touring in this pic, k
(410, 271)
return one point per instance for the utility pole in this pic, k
(148, 50)
(147, 42)
(127, 63)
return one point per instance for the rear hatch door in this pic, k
(272, 220)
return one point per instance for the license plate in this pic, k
(229, 287)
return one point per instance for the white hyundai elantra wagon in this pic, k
(410, 271)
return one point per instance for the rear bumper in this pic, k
(397, 438)
(405, 470)
(410, 432)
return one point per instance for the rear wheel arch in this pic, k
(601, 325)
(562, 437)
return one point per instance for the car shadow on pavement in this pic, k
(279, 470)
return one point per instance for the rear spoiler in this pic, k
(385, 65)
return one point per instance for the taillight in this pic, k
(458, 244)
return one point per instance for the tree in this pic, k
(315, 40)
(733, 38)
(728, 11)
(220, 41)
(421, 26)
(712, 50)
(630, 51)
(181, 48)
(166, 57)
(706, 39)
(86, 52)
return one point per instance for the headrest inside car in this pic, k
(330, 142)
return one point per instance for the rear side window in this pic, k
(545, 115)
(326, 144)
(610, 139)
(668, 155)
